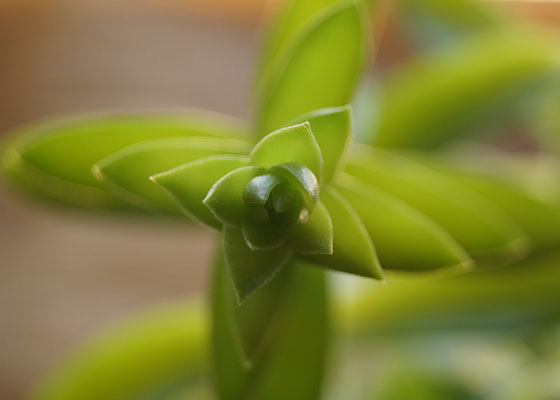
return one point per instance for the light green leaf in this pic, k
(480, 227)
(443, 97)
(249, 270)
(126, 172)
(353, 251)
(319, 68)
(404, 238)
(54, 158)
(289, 320)
(294, 144)
(225, 197)
(189, 184)
(332, 129)
(314, 236)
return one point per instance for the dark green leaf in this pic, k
(314, 236)
(249, 270)
(189, 184)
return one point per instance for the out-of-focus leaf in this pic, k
(189, 184)
(353, 251)
(319, 68)
(292, 324)
(138, 359)
(225, 197)
(480, 227)
(315, 236)
(294, 144)
(540, 220)
(54, 158)
(332, 129)
(404, 238)
(250, 269)
(445, 96)
(127, 171)
(516, 296)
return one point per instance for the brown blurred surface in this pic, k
(65, 276)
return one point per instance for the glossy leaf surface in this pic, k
(189, 184)
(332, 129)
(127, 171)
(404, 237)
(249, 270)
(54, 158)
(294, 144)
(307, 76)
(452, 93)
(315, 236)
(353, 250)
(480, 227)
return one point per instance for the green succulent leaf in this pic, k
(483, 229)
(284, 324)
(294, 144)
(315, 236)
(249, 270)
(332, 129)
(127, 171)
(300, 179)
(53, 158)
(450, 94)
(261, 236)
(225, 197)
(404, 238)
(319, 68)
(189, 184)
(353, 250)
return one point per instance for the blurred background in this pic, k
(66, 276)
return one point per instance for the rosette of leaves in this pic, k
(278, 203)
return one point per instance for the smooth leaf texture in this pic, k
(249, 270)
(480, 227)
(127, 171)
(404, 238)
(332, 129)
(540, 220)
(189, 184)
(290, 324)
(225, 197)
(448, 95)
(320, 68)
(353, 251)
(54, 158)
(294, 144)
(315, 236)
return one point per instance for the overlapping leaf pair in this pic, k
(277, 203)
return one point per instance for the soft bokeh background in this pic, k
(64, 276)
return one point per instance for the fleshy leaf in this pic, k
(353, 251)
(249, 270)
(480, 227)
(301, 179)
(314, 236)
(428, 104)
(189, 184)
(284, 324)
(294, 144)
(332, 129)
(261, 236)
(127, 171)
(318, 69)
(53, 158)
(404, 238)
(225, 197)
